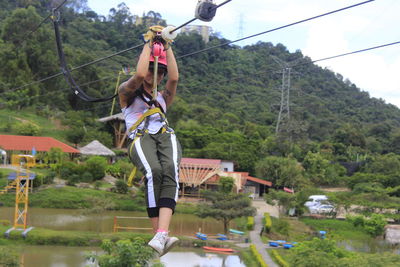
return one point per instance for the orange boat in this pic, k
(228, 250)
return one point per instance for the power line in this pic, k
(353, 52)
(39, 25)
(199, 51)
(75, 68)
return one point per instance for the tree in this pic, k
(55, 155)
(282, 199)
(322, 171)
(281, 171)
(223, 205)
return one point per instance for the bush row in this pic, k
(278, 258)
(250, 223)
(257, 256)
(268, 222)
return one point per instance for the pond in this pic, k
(60, 256)
(371, 246)
(76, 220)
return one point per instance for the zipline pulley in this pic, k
(205, 10)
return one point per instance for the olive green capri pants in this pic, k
(158, 157)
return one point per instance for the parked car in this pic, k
(316, 200)
(322, 209)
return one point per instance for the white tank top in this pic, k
(132, 113)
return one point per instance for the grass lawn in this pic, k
(47, 126)
(338, 229)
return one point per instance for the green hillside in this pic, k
(228, 97)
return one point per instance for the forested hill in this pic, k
(228, 97)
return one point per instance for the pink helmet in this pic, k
(158, 50)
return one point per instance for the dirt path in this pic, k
(263, 207)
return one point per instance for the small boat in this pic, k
(222, 237)
(219, 249)
(201, 236)
(273, 244)
(287, 246)
(233, 231)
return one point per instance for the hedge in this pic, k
(278, 258)
(258, 256)
(268, 222)
(250, 223)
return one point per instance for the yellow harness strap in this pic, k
(145, 115)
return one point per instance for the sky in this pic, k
(368, 25)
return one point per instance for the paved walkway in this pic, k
(255, 235)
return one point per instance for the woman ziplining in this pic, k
(152, 145)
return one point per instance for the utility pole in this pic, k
(241, 22)
(284, 111)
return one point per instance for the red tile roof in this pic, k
(201, 161)
(26, 143)
(259, 181)
(288, 190)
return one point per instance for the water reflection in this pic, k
(371, 246)
(56, 256)
(200, 259)
(75, 220)
(60, 256)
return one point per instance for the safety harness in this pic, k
(145, 118)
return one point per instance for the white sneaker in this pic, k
(158, 242)
(169, 244)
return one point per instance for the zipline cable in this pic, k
(196, 52)
(275, 29)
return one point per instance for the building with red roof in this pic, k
(197, 174)
(25, 144)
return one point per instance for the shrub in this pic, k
(29, 129)
(8, 257)
(5, 222)
(73, 179)
(96, 166)
(124, 253)
(69, 168)
(375, 225)
(97, 185)
(281, 226)
(357, 220)
(268, 222)
(121, 187)
(250, 223)
(86, 177)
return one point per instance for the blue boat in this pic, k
(273, 244)
(287, 246)
(222, 237)
(233, 231)
(201, 236)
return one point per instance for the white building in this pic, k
(203, 30)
